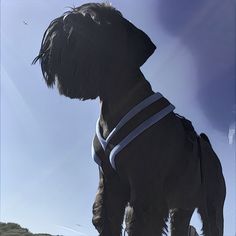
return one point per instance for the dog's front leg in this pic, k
(109, 206)
(147, 212)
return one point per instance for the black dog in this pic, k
(152, 160)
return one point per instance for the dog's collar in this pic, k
(135, 132)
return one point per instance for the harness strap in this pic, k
(103, 143)
(137, 131)
(134, 111)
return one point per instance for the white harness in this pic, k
(135, 132)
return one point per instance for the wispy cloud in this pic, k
(231, 133)
(72, 230)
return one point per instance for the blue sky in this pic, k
(48, 179)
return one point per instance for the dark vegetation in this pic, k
(12, 229)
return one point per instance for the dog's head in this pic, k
(86, 46)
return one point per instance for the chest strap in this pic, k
(132, 134)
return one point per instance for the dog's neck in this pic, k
(114, 107)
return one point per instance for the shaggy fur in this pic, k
(93, 51)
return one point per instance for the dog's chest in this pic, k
(133, 124)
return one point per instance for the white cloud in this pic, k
(231, 133)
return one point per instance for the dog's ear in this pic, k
(140, 46)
